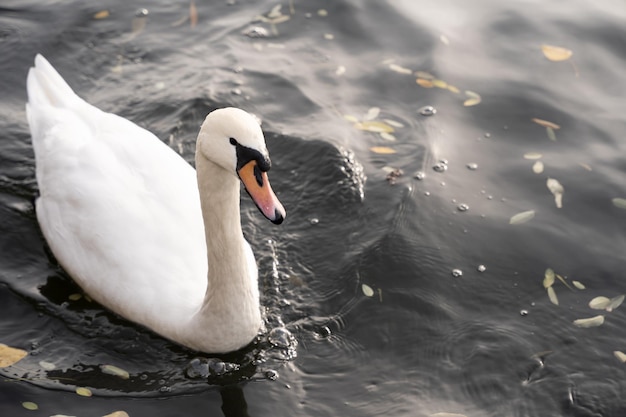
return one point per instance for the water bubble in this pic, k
(487, 135)
(427, 111)
(523, 312)
(441, 166)
(164, 389)
(280, 337)
(314, 221)
(256, 32)
(472, 166)
(271, 374)
(141, 13)
(481, 268)
(197, 368)
(457, 273)
(325, 331)
(426, 193)
(462, 207)
(420, 175)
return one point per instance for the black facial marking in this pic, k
(245, 155)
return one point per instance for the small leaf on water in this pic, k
(425, 75)
(350, 118)
(399, 69)
(557, 189)
(621, 356)
(374, 126)
(453, 89)
(546, 123)
(47, 366)
(102, 14)
(578, 285)
(564, 282)
(193, 14)
(84, 392)
(548, 278)
(10, 356)
(615, 302)
(474, 98)
(117, 414)
(423, 82)
(532, 155)
(556, 53)
(440, 83)
(387, 136)
(367, 290)
(552, 296)
(522, 217)
(589, 322)
(393, 123)
(538, 167)
(29, 405)
(115, 371)
(599, 303)
(585, 166)
(383, 150)
(619, 203)
(551, 134)
(75, 297)
(372, 113)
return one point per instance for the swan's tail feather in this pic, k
(46, 87)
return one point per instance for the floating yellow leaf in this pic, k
(367, 290)
(75, 297)
(387, 136)
(522, 217)
(117, 414)
(115, 371)
(193, 14)
(374, 126)
(425, 75)
(474, 98)
(621, 356)
(30, 405)
(619, 203)
(102, 14)
(551, 134)
(557, 190)
(393, 123)
(548, 278)
(546, 123)
(372, 113)
(384, 150)
(84, 392)
(10, 356)
(48, 366)
(599, 303)
(578, 285)
(440, 83)
(453, 89)
(552, 296)
(532, 155)
(556, 53)
(589, 322)
(399, 69)
(538, 167)
(350, 118)
(423, 82)
(615, 302)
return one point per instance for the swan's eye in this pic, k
(233, 141)
(258, 175)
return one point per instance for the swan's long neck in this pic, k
(231, 305)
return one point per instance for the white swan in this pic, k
(122, 214)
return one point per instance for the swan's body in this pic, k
(137, 228)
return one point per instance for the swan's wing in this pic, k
(119, 209)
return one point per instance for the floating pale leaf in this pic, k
(275, 12)
(84, 392)
(75, 297)
(374, 126)
(474, 98)
(117, 414)
(578, 285)
(589, 322)
(552, 296)
(548, 278)
(546, 123)
(393, 123)
(383, 150)
(621, 356)
(453, 89)
(350, 118)
(423, 82)
(367, 290)
(615, 302)
(557, 189)
(564, 282)
(115, 371)
(102, 14)
(47, 366)
(556, 53)
(387, 136)
(551, 134)
(399, 69)
(585, 166)
(599, 303)
(619, 203)
(425, 75)
(440, 83)
(29, 405)
(532, 155)
(10, 356)
(372, 113)
(538, 167)
(522, 217)
(193, 14)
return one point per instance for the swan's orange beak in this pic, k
(258, 186)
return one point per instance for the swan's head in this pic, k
(233, 139)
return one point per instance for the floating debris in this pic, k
(546, 123)
(538, 167)
(367, 290)
(621, 356)
(427, 111)
(457, 273)
(619, 203)
(102, 14)
(481, 268)
(605, 303)
(522, 217)
(441, 166)
(462, 207)
(393, 175)
(556, 53)
(552, 296)
(84, 392)
(419, 175)
(472, 166)
(400, 70)
(115, 371)
(10, 356)
(29, 405)
(557, 190)
(474, 98)
(548, 278)
(532, 155)
(383, 150)
(590, 322)
(523, 313)
(578, 285)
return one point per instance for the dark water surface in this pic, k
(361, 273)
